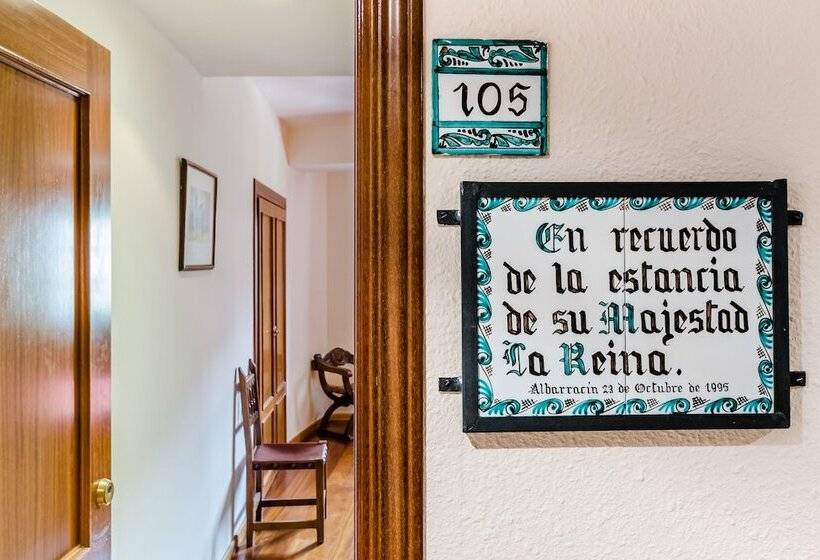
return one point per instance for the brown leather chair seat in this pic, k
(299, 455)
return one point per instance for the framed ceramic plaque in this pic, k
(489, 97)
(604, 306)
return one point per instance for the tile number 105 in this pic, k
(489, 99)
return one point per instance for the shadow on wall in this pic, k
(649, 438)
(682, 438)
(236, 515)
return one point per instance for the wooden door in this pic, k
(269, 253)
(54, 288)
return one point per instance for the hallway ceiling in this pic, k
(259, 37)
(298, 96)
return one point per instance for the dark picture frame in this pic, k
(777, 417)
(194, 201)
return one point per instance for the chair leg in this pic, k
(249, 536)
(325, 423)
(320, 502)
(349, 428)
(257, 515)
(250, 483)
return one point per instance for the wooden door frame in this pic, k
(390, 362)
(35, 41)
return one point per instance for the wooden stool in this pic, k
(340, 394)
(261, 457)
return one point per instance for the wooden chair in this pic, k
(340, 394)
(261, 457)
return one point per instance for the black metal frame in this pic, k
(779, 417)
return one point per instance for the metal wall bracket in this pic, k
(449, 384)
(797, 378)
(794, 217)
(448, 217)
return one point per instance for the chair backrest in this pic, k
(249, 396)
(335, 358)
(332, 362)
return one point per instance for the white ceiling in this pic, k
(259, 37)
(297, 96)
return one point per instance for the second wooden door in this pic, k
(269, 250)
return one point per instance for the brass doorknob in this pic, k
(103, 492)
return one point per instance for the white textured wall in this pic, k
(341, 269)
(687, 90)
(177, 337)
(323, 141)
(320, 284)
(307, 287)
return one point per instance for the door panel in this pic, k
(266, 315)
(270, 316)
(54, 269)
(39, 424)
(278, 374)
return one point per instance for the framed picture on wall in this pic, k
(197, 217)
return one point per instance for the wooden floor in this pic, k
(301, 544)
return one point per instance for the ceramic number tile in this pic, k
(698, 305)
(543, 277)
(489, 97)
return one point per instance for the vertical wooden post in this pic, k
(389, 281)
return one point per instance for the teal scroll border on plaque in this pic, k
(509, 138)
(488, 405)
